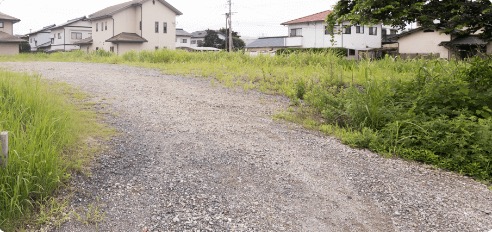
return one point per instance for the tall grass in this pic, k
(433, 111)
(45, 131)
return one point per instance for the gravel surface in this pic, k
(192, 156)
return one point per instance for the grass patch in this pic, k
(432, 111)
(49, 134)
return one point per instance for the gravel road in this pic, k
(193, 156)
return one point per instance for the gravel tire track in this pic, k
(192, 156)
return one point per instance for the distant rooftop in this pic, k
(318, 17)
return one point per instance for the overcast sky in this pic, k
(253, 18)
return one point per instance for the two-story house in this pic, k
(183, 38)
(9, 44)
(40, 40)
(64, 36)
(134, 25)
(312, 32)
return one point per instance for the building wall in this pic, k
(313, 36)
(39, 38)
(123, 48)
(158, 13)
(424, 43)
(100, 33)
(8, 27)
(179, 41)
(9, 48)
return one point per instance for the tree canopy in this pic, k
(467, 16)
(212, 40)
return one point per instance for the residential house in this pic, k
(133, 25)
(9, 44)
(64, 36)
(429, 42)
(40, 40)
(266, 45)
(198, 37)
(311, 32)
(183, 38)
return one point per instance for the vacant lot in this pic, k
(192, 155)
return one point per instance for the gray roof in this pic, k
(69, 22)
(126, 37)
(468, 40)
(199, 34)
(268, 42)
(85, 41)
(181, 32)
(8, 17)
(110, 11)
(8, 38)
(47, 28)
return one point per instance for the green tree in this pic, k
(468, 16)
(24, 47)
(237, 42)
(212, 40)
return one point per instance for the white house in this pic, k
(9, 44)
(40, 39)
(64, 36)
(133, 25)
(311, 32)
(183, 38)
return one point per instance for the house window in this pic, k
(373, 30)
(106, 26)
(111, 49)
(351, 52)
(295, 32)
(156, 27)
(164, 28)
(140, 25)
(1, 25)
(97, 48)
(393, 31)
(59, 35)
(76, 35)
(384, 31)
(52, 40)
(156, 47)
(347, 30)
(193, 41)
(359, 29)
(328, 31)
(184, 41)
(97, 26)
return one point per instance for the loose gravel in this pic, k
(193, 156)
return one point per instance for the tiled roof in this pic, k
(126, 37)
(466, 40)
(318, 17)
(85, 41)
(181, 32)
(8, 17)
(8, 38)
(267, 42)
(110, 11)
(69, 22)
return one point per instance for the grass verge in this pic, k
(50, 134)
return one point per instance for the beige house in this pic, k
(427, 42)
(134, 25)
(9, 44)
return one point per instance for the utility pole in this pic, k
(230, 25)
(227, 31)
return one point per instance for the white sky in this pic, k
(253, 18)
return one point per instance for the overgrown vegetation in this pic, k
(47, 135)
(436, 112)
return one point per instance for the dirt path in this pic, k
(193, 156)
